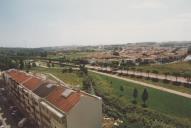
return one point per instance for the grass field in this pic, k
(160, 101)
(178, 67)
(163, 102)
(169, 85)
(69, 78)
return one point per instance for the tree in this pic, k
(156, 73)
(166, 75)
(122, 64)
(28, 66)
(135, 95)
(70, 70)
(121, 88)
(148, 73)
(43, 54)
(83, 69)
(63, 70)
(189, 50)
(133, 69)
(187, 75)
(33, 64)
(48, 64)
(176, 74)
(145, 97)
(127, 68)
(140, 70)
(86, 83)
(21, 64)
(52, 64)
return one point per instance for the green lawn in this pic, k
(163, 102)
(160, 101)
(178, 67)
(169, 85)
(69, 78)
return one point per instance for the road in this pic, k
(143, 74)
(146, 84)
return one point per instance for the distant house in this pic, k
(188, 58)
(51, 105)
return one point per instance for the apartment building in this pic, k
(52, 105)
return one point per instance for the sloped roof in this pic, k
(29, 81)
(63, 103)
(33, 83)
(61, 97)
(18, 76)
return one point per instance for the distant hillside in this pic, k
(177, 44)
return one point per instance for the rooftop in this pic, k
(33, 83)
(29, 81)
(65, 103)
(44, 89)
(60, 96)
(18, 76)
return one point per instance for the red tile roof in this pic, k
(18, 76)
(29, 81)
(33, 83)
(65, 104)
(55, 96)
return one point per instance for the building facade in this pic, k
(53, 105)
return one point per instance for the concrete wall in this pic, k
(56, 124)
(86, 114)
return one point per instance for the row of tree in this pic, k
(144, 96)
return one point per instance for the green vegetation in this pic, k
(23, 52)
(110, 88)
(71, 55)
(135, 95)
(162, 83)
(145, 97)
(180, 67)
(163, 109)
(7, 62)
(71, 78)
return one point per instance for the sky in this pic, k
(39, 23)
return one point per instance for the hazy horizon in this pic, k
(86, 22)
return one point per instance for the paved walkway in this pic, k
(144, 74)
(146, 84)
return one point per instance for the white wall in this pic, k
(86, 114)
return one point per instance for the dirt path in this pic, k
(146, 84)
